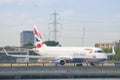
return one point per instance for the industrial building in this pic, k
(103, 45)
(108, 44)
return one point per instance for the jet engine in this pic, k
(60, 61)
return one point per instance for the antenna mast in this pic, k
(55, 23)
(83, 36)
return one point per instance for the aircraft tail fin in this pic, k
(38, 39)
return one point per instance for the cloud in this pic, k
(27, 2)
(8, 1)
(68, 13)
(116, 15)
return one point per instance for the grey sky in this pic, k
(101, 19)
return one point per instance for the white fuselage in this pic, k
(74, 53)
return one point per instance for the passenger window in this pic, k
(91, 51)
(99, 51)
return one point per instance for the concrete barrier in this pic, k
(37, 72)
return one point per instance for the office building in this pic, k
(104, 45)
(26, 37)
(108, 44)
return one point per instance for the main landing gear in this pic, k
(79, 64)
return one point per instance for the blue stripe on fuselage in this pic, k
(75, 60)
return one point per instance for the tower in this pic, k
(26, 37)
(55, 24)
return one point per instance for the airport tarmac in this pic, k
(51, 64)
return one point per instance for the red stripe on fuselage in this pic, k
(88, 49)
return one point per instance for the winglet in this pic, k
(113, 51)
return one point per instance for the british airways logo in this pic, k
(37, 39)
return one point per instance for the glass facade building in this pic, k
(26, 37)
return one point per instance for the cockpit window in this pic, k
(99, 51)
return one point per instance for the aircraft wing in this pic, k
(23, 56)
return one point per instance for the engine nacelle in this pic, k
(60, 61)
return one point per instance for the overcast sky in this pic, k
(99, 18)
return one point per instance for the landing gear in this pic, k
(92, 64)
(62, 62)
(80, 64)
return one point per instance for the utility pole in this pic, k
(55, 27)
(83, 36)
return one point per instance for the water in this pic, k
(79, 79)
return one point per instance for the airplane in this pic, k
(63, 55)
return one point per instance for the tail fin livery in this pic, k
(38, 39)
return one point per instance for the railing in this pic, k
(39, 72)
